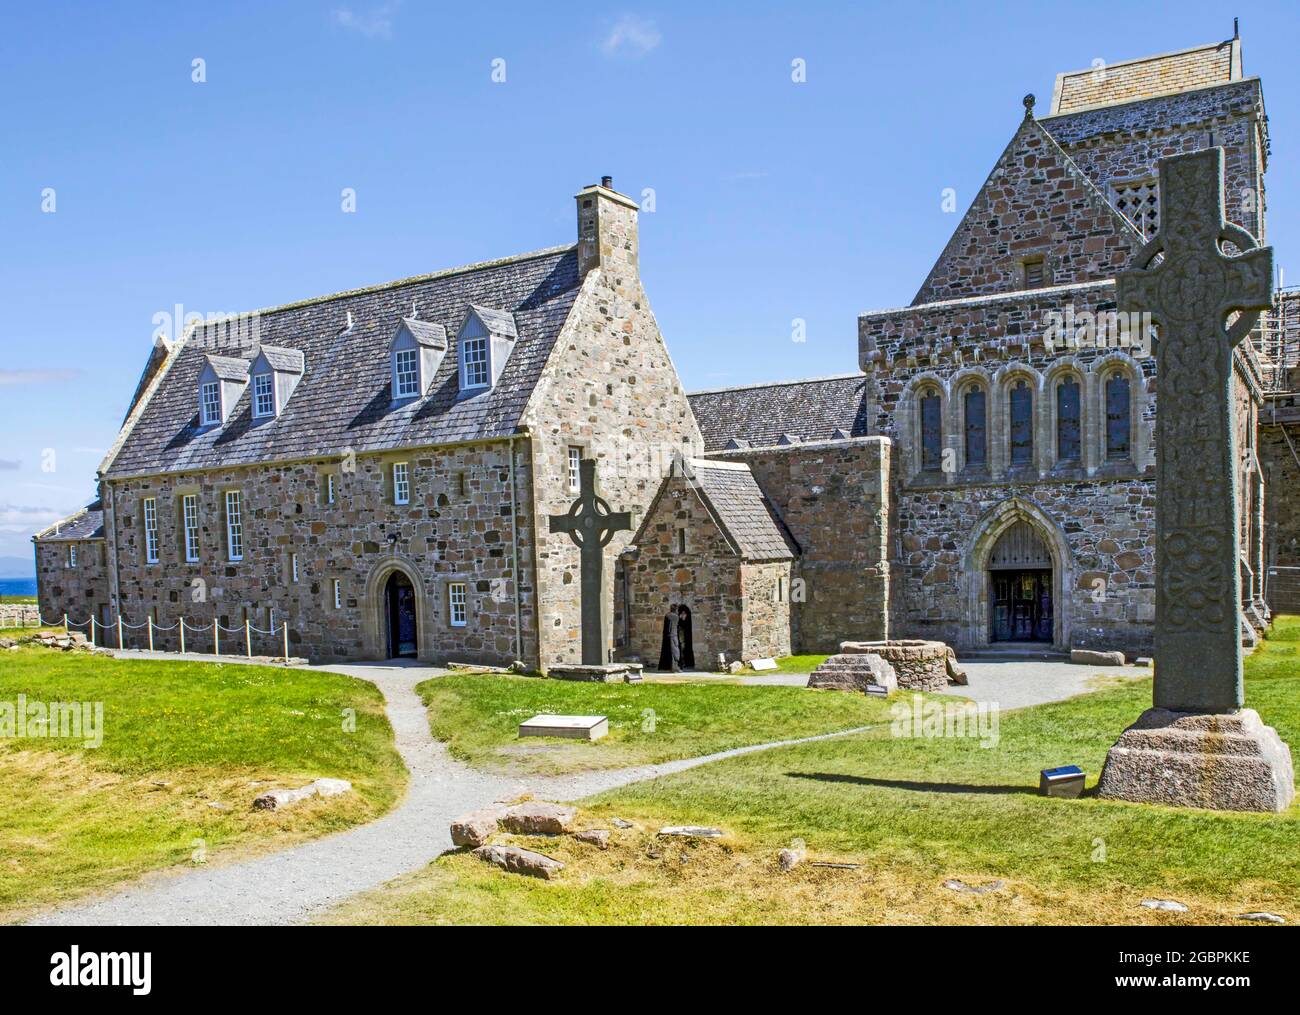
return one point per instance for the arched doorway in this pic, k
(1018, 568)
(400, 616)
(1020, 586)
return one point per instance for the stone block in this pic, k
(537, 817)
(518, 860)
(1092, 657)
(1228, 761)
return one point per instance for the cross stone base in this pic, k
(1226, 762)
(606, 673)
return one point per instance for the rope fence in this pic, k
(99, 634)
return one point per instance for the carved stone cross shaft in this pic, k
(591, 525)
(1190, 294)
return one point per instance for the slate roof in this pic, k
(344, 399)
(88, 523)
(427, 333)
(746, 516)
(229, 368)
(499, 322)
(762, 414)
(290, 360)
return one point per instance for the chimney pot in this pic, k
(607, 182)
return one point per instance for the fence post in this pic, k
(286, 644)
(119, 632)
(92, 629)
(65, 624)
(149, 621)
(216, 638)
(182, 635)
(248, 640)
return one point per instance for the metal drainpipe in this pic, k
(109, 501)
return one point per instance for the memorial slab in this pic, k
(572, 727)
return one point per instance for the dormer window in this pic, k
(276, 373)
(486, 340)
(221, 383)
(474, 357)
(210, 402)
(263, 395)
(416, 353)
(407, 372)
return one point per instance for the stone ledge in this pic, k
(608, 673)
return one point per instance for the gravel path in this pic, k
(291, 885)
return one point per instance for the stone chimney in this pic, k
(607, 237)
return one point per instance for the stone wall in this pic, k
(20, 615)
(766, 627)
(457, 528)
(1279, 445)
(1126, 142)
(834, 498)
(611, 389)
(81, 591)
(708, 577)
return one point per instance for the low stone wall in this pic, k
(920, 665)
(19, 615)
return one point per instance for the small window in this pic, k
(210, 403)
(575, 468)
(293, 568)
(150, 530)
(781, 593)
(456, 602)
(263, 396)
(1068, 435)
(931, 431)
(408, 373)
(234, 526)
(681, 540)
(401, 483)
(460, 484)
(475, 357)
(338, 594)
(72, 555)
(329, 488)
(1035, 276)
(190, 522)
(1022, 424)
(1118, 422)
(976, 426)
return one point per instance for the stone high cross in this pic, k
(591, 524)
(1190, 295)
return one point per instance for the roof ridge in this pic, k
(775, 384)
(464, 269)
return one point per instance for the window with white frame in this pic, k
(475, 360)
(407, 362)
(263, 395)
(293, 568)
(575, 467)
(190, 523)
(234, 526)
(210, 403)
(329, 488)
(338, 594)
(150, 509)
(72, 555)
(457, 602)
(401, 483)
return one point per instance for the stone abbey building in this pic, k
(375, 469)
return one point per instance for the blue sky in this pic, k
(773, 200)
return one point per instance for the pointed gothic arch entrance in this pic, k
(1018, 568)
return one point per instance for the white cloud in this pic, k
(8, 376)
(376, 23)
(26, 520)
(10, 464)
(632, 35)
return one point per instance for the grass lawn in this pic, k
(177, 737)
(26, 600)
(478, 715)
(787, 664)
(912, 813)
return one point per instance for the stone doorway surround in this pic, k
(976, 586)
(374, 608)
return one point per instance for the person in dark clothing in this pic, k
(685, 642)
(670, 651)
